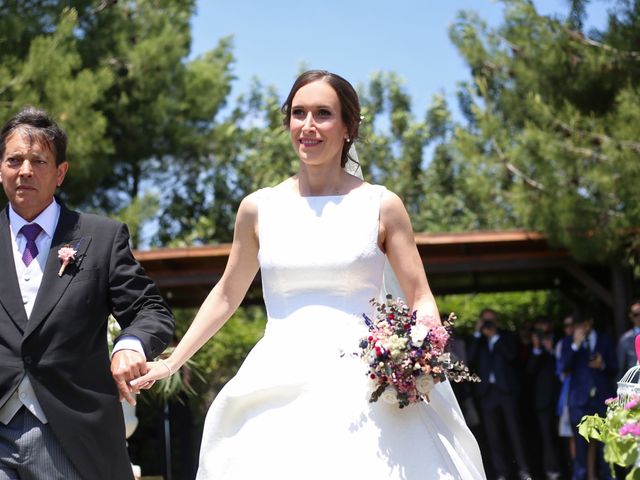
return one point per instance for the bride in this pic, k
(299, 407)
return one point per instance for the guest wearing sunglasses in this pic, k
(626, 345)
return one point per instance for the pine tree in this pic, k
(556, 122)
(118, 78)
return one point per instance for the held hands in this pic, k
(126, 365)
(155, 371)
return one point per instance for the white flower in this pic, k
(389, 395)
(396, 346)
(419, 333)
(424, 384)
(445, 359)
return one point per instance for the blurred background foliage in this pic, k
(545, 136)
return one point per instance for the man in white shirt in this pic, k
(63, 274)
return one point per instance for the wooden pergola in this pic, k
(464, 262)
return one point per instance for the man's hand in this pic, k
(127, 365)
(479, 323)
(579, 334)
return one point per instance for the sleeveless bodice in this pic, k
(319, 256)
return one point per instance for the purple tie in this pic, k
(30, 232)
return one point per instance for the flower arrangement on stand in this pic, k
(619, 430)
(406, 354)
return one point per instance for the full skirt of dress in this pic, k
(300, 409)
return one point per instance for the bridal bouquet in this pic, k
(406, 354)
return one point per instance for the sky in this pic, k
(274, 39)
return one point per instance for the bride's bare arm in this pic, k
(222, 301)
(398, 242)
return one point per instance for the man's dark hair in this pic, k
(39, 127)
(486, 310)
(581, 315)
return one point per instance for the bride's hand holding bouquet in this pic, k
(406, 353)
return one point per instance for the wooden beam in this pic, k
(588, 281)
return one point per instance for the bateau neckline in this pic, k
(337, 195)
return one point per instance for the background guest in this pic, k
(589, 358)
(493, 353)
(565, 432)
(541, 368)
(626, 344)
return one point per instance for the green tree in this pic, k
(393, 140)
(442, 190)
(555, 122)
(41, 65)
(248, 150)
(515, 309)
(118, 78)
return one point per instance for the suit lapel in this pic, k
(10, 295)
(53, 286)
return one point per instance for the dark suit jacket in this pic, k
(63, 345)
(626, 352)
(589, 387)
(545, 385)
(502, 361)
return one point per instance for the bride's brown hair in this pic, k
(347, 96)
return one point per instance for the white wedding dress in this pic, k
(298, 407)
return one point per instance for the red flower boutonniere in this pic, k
(66, 254)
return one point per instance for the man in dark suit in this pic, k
(63, 274)
(589, 358)
(493, 353)
(627, 343)
(545, 390)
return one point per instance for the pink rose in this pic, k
(66, 255)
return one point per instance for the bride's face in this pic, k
(316, 127)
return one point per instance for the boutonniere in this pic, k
(66, 254)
